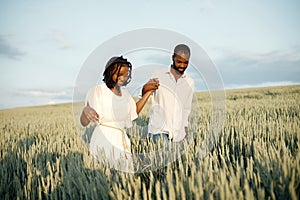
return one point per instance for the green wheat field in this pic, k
(257, 156)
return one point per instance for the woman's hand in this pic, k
(151, 85)
(148, 88)
(88, 115)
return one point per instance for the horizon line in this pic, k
(241, 87)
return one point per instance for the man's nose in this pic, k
(182, 65)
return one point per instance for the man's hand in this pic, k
(151, 85)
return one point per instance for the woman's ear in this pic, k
(114, 77)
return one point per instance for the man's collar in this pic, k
(169, 72)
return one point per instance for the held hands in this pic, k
(151, 85)
(148, 88)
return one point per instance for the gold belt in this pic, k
(125, 146)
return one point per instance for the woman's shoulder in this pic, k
(97, 89)
(126, 92)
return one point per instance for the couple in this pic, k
(113, 108)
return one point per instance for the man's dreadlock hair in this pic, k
(114, 66)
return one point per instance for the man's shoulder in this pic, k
(161, 72)
(189, 81)
(188, 78)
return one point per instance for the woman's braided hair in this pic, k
(114, 66)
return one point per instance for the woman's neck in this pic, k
(117, 90)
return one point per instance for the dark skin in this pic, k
(90, 115)
(181, 61)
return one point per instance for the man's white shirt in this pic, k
(171, 105)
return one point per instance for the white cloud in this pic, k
(8, 50)
(51, 102)
(207, 4)
(36, 93)
(33, 97)
(275, 56)
(60, 39)
(290, 55)
(59, 94)
(263, 84)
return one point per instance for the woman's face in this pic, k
(123, 75)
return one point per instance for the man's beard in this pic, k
(177, 69)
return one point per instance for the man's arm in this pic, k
(188, 107)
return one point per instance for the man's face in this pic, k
(181, 61)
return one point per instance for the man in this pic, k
(172, 100)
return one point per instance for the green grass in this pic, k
(42, 156)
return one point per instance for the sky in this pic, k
(44, 44)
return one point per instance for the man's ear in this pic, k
(173, 57)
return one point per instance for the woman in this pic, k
(113, 109)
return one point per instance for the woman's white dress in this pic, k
(115, 114)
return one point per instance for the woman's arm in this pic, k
(141, 103)
(88, 115)
(148, 88)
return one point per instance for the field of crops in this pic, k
(257, 156)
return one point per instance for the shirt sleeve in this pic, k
(89, 97)
(93, 97)
(188, 105)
